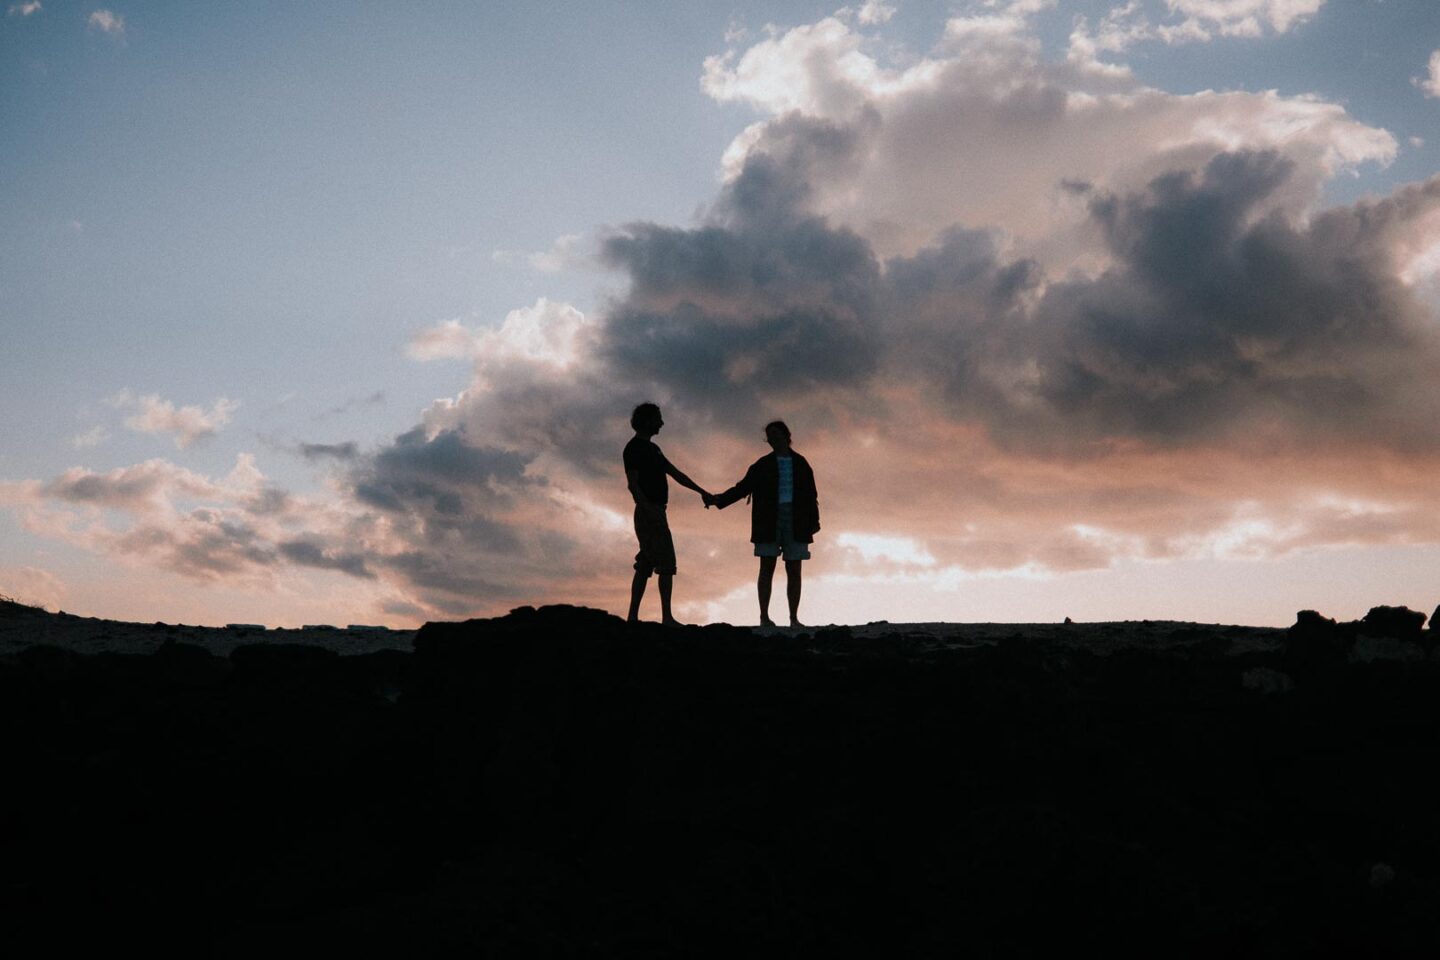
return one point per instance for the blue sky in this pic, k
(254, 210)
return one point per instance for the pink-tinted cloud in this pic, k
(186, 425)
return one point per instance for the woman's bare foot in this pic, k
(795, 623)
(766, 622)
(671, 622)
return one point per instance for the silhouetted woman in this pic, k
(784, 516)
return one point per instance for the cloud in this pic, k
(348, 450)
(307, 553)
(448, 340)
(1221, 321)
(1241, 18)
(1431, 82)
(566, 253)
(238, 530)
(875, 12)
(25, 9)
(107, 21)
(90, 438)
(548, 333)
(146, 487)
(187, 424)
(901, 154)
(1188, 21)
(350, 403)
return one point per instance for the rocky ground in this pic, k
(555, 783)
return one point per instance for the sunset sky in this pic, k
(336, 312)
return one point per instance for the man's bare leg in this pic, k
(667, 582)
(637, 593)
(762, 588)
(792, 590)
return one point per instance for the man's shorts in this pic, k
(785, 543)
(657, 547)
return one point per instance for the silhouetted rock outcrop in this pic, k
(1402, 623)
(1317, 643)
(557, 783)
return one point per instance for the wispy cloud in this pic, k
(1185, 21)
(347, 450)
(549, 332)
(186, 425)
(237, 530)
(1430, 82)
(875, 12)
(1203, 19)
(25, 9)
(566, 253)
(447, 340)
(107, 21)
(350, 403)
(90, 438)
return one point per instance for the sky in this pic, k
(336, 312)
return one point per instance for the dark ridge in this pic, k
(555, 783)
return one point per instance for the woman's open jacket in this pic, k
(762, 484)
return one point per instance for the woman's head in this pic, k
(777, 434)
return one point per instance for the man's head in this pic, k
(777, 435)
(646, 419)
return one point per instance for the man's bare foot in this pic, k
(795, 623)
(672, 622)
(766, 622)
(632, 619)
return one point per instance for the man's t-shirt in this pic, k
(786, 466)
(644, 458)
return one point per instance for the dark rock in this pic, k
(1402, 623)
(558, 783)
(282, 660)
(1311, 620)
(1317, 644)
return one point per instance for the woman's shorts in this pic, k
(785, 543)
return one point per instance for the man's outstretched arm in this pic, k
(683, 480)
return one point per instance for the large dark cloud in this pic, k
(308, 553)
(440, 495)
(762, 301)
(443, 474)
(1217, 319)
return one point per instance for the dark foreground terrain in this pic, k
(555, 784)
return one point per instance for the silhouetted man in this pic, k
(645, 472)
(784, 516)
